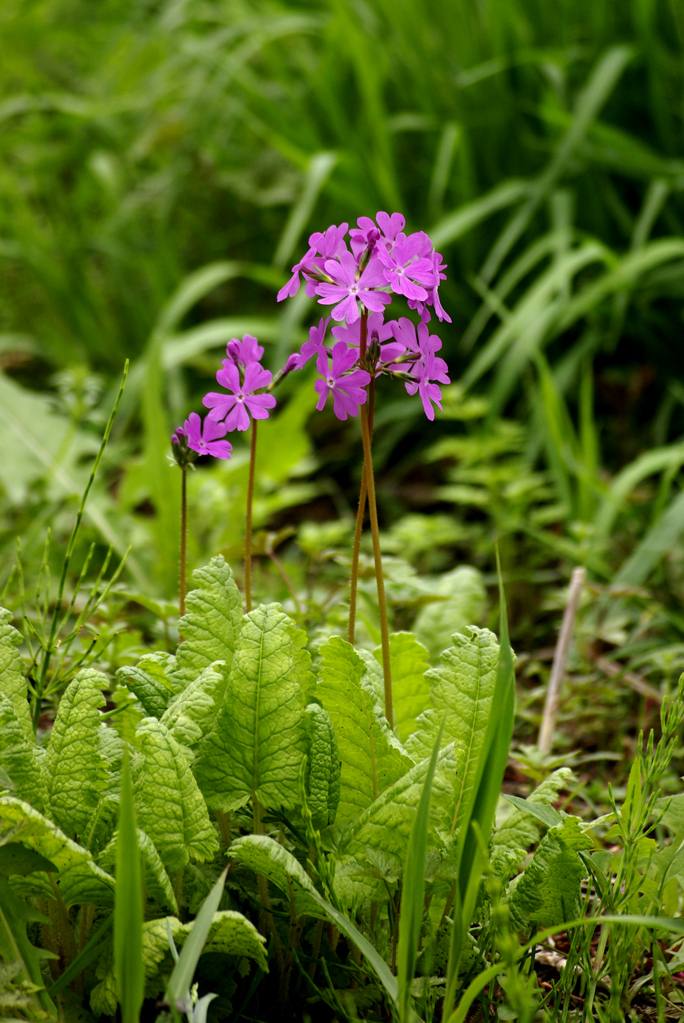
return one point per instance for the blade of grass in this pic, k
(128, 908)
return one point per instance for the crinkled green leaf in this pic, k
(323, 767)
(517, 832)
(410, 688)
(548, 891)
(259, 738)
(270, 859)
(79, 878)
(19, 756)
(74, 770)
(462, 688)
(230, 933)
(436, 623)
(371, 757)
(12, 680)
(152, 680)
(212, 621)
(157, 882)
(191, 714)
(373, 847)
(169, 805)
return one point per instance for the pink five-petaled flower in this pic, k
(234, 407)
(347, 291)
(428, 371)
(326, 245)
(407, 269)
(245, 351)
(315, 344)
(348, 389)
(205, 440)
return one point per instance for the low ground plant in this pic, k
(290, 814)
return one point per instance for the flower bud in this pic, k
(183, 454)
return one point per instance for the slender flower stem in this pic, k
(248, 530)
(183, 536)
(355, 557)
(358, 529)
(372, 507)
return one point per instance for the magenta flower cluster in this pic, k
(358, 278)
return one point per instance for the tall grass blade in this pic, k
(180, 980)
(320, 168)
(412, 893)
(128, 908)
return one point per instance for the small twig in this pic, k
(545, 740)
(636, 682)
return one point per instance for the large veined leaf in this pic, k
(157, 882)
(548, 891)
(191, 714)
(12, 680)
(259, 739)
(74, 769)
(323, 767)
(386, 824)
(518, 831)
(371, 758)
(461, 688)
(212, 621)
(169, 805)
(464, 595)
(79, 878)
(19, 756)
(230, 933)
(152, 680)
(410, 688)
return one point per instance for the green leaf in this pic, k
(462, 687)
(323, 767)
(17, 858)
(152, 681)
(436, 623)
(371, 758)
(191, 714)
(386, 824)
(546, 814)
(74, 769)
(661, 538)
(12, 681)
(79, 878)
(157, 882)
(230, 933)
(19, 756)
(259, 738)
(548, 891)
(169, 804)
(410, 688)
(128, 909)
(517, 832)
(212, 621)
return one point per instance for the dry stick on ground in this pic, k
(560, 658)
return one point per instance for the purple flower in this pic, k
(347, 291)
(315, 344)
(406, 269)
(363, 237)
(348, 389)
(205, 441)
(330, 244)
(292, 286)
(245, 351)
(428, 371)
(378, 329)
(390, 226)
(326, 245)
(234, 407)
